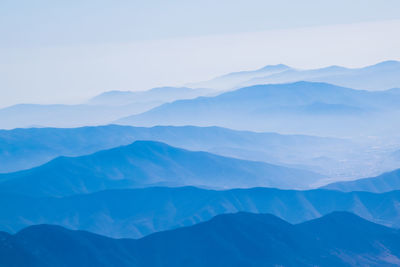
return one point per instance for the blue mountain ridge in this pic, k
(27, 148)
(380, 76)
(138, 212)
(241, 239)
(145, 163)
(292, 108)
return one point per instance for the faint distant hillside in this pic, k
(100, 110)
(382, 76)
(300, 107)
(231, 80)
(156, 95)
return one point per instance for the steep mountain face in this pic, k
(155, 95)
(145, 163)
(301, 107)
(242, 239)
(27, 148)
(383, 183)
(138, 212)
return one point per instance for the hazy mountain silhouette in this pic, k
(301, 107)
(101, 109)
(26, 115)
(381, 76)
(27, 148)
(145, 163)
(383, 183)
(241, 239)
(155, 95)
(231, 80)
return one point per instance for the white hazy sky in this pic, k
(65, 51)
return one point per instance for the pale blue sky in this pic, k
(57, 51)
(49, 22)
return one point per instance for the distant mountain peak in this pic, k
(386, 64)
(113, 93)
(275, 67)
(334, 68)
(144, 163)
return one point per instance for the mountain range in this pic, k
(252, 168)
(300, 107)
(145, 163)
(142, 211)
(115, 105)
(381, 76)
(26, 148)
(241, 239)
(99, 110)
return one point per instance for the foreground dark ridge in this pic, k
(138, 212)
(241, 239)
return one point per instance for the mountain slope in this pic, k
(242, 239)
(27, 148)
(145, 163)
(139, 212)
(157, 95)
(383, 183)
(301, 107)
(335, 157)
